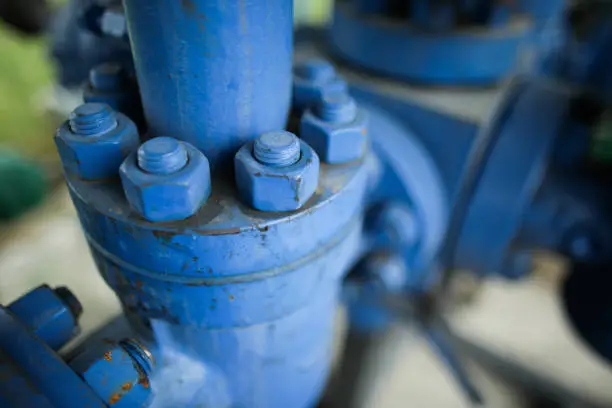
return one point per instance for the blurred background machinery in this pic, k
(237, 186)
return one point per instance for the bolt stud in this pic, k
(277, 149)
(336, 107)
(92, 119)
(162, 155)
(140, 354)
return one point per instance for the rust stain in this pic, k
(139, 284)
(114, 399)
(231, 297)
(127, 386)
(364, 131)
(144, 381)
(108, 356)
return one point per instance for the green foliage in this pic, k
(25, 74)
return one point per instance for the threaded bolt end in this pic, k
(70, 300)
(108, 77)
(162, 155)
(140, 354)
(92, 119)
(315, 70)
(336, 107)
(277, 149)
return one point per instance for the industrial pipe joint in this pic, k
(166, 179)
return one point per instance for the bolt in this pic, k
(162, 155)
(277, 149)
(315, 70)
(336, 107)
(108, 77)
(140, 354)
(70, 300)
(92, 119)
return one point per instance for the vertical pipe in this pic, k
(214, 73)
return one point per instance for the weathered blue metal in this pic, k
(95, 141)
(220, 77)
(31, 363)
(231, 279)
(117, 372)
(34, 327)
(437, 42)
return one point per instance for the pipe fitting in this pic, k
(166, 180)
(95, 140)
(273, 175)
(336, 129)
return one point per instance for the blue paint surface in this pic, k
(47, 374)
(251, 293)
(471, 55)
(213, 73)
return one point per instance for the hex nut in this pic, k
(171, 197)
(99, 157)
(268, 188)
(308, 91)
(336, 143)
(113, 374)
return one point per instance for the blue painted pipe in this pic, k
(213, 73)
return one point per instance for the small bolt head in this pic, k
(336, 141)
